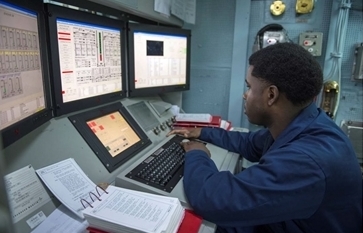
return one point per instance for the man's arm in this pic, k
(264, 193)
(249, 145)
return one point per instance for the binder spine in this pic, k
(97, 188)
(84, 200)
(90, 195)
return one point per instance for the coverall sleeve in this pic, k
(261, 194)
(249, 145)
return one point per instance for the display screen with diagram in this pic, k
(112, 133)
(88, 59)
(159, 59)
(24, 103)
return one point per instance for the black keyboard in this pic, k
(162, 169)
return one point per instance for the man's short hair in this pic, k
(291, 68)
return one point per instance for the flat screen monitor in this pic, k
(88, 59)
(111, 133)
(25, 95)
(159, 59)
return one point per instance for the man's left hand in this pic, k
(193, 145)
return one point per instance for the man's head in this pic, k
(279, 74)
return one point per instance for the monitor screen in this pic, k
(159, 59)
(88, 55)
(112, 134)
(24, 95)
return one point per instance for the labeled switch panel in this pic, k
(312, 42)
(358, 63)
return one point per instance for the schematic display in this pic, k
(114, 132)
(90, 60)
(21, 77)
(160, 59)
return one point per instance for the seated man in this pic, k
(307, 178)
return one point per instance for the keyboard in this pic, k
(163, 168)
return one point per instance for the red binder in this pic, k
(94, 230)
(190, 224)
(215, 122)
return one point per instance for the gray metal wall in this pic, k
(211, 62)
(216, 89)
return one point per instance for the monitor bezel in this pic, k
(111, 163)
(152, 91)
(55, 12)
(23, 127)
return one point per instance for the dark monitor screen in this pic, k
(159, 59)
(25, 99)
(88, 54)
(112, 134)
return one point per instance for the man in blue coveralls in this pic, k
(307, 178)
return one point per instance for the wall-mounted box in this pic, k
(354, 130)
(312, 42)
(358, 63)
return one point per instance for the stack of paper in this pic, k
(114, 209)
(194, 117)
(127, 211)
(197, 120)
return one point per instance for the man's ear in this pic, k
(273, 94)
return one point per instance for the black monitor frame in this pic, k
(54, 12)
(18, 130)
(111, 163)
(151, 91)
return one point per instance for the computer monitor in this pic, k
(159, 59)
(25, 95)
(112, 134)
(88, 59)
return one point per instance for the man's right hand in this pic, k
(187, 132)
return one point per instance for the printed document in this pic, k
(162, 6)
(68, 183)
(25, 192)
(184, 10)
(60, 221)
(124, 209)
(194, 117)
